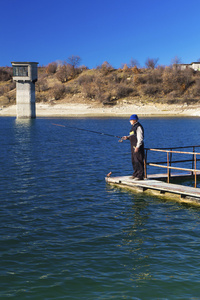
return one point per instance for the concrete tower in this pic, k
(25, 75)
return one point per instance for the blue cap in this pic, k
(133, 117)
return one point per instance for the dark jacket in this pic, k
(133, 134)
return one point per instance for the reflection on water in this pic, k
(23, 149)
(136, 242)
(24, 122)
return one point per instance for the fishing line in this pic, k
(97, 132)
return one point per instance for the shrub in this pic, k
(170, 80)
(125, 68)
(123, 91)
(90, 89)
(154, 76)
(51, 68)
(72, 89)
(5, 74)
(84, 79)
(149, 89)
(176, 80)
(58, 91)
(69, 90)
(40, 97)
(42, 85)
(117, 78)
(139, 79)
(95, 89)
(105, 68)
(195, 91)
(64, 73)
(187, 78)
(135, 70)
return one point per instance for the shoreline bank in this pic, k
(87, 110)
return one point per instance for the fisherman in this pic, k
(136, 138)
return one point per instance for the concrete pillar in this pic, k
(25, 75)
(25, 100)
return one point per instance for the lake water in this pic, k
(66, 234)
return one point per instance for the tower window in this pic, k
(20, 71)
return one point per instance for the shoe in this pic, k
(136, 178)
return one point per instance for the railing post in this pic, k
(145, 164)
(170, 163)
(193, 160)
(168, 172)
(195, 173)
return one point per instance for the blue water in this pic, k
(66, 234)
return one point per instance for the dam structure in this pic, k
(25, 75)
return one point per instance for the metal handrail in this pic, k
(171, 151)
(169, 161)
(181, 147)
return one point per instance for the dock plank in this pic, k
(157, 185)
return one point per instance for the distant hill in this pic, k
(108, 86)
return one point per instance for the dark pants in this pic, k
(138, 162)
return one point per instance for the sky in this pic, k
(115, 31)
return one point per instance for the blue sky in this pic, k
(99, 30)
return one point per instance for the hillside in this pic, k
(106, 86)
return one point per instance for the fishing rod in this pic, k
(97, 132)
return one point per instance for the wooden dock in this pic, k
(154, 184)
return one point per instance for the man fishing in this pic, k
(137, 145)
(136, 138)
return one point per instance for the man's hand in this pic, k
(136, 149)
(124, 137)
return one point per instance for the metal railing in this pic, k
(169, 151)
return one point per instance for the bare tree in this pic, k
(151, 63)
(134, 63)
(175, 62)
(74, 61)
